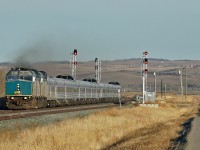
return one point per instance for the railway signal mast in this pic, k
(98, 70)
(144, 74)
(74, 63)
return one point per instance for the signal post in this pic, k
(144, 74)
(74, 63)
(98, 70)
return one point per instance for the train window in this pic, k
(69, 90)
(24, 75)
(12, 75)
(60, 89)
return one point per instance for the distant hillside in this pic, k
(128, 72)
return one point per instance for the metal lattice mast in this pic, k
(74, 63)
(97, 70)
(144, 74)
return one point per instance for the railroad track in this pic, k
(33, 113)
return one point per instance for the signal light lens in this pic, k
(75, 52)
(145, 71)
(145, 53)
(75, 63)
(145, 61)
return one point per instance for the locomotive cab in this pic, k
(23, 88)
(19, 82)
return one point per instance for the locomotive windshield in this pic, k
(15, 75)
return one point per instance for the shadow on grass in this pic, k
(180, 142)
(3, 103)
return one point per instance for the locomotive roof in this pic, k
(36, 72)
(114, 83)
(65, 77)
(79, 83)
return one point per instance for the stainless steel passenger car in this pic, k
(62, 91)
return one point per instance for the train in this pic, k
(28, 88)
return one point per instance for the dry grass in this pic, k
(174, 98)
(130, 128)
(129, 94)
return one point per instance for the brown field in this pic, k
(127, 128)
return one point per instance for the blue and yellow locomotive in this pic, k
(25, 88)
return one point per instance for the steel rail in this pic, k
(53, 111)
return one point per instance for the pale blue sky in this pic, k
(108, 29)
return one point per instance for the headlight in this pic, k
(25, 97)
(18, 87)
(12, 98)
